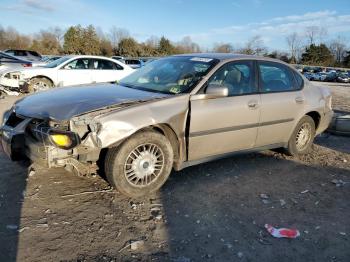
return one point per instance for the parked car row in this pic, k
(326, 75)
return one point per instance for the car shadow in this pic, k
(334, 142)
(215, 211)
(13, 182)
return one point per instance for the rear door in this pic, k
(282, 102)
(75, 72)
(226, 124)
(107, 71)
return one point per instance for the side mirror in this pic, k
(213, 91)
(216, 91)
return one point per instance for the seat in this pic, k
(233, 81)
(80, 64)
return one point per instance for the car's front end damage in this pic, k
(74, 138)
(47, 143)
(13, 82)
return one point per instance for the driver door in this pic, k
(75, 72)
(226, 124)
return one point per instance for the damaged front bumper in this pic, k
(23, 138)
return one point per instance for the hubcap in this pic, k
(40, 85)
(144, 164)
(303, 136)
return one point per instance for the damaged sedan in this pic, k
(170, 114)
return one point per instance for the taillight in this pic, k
(27, 65)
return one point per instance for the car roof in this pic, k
(87, 56)
(230, 56)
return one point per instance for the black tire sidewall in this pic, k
(292, 149)
(116, 158)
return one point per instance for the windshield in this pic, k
(170, 75)
(57, 62)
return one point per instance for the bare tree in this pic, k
(338, 48)
(58, 33)
(117, 34)
(186, 45)
(254, 46)
(294, 44)
(152, 41)
(315, 33)
(322, 34)
(223, 48)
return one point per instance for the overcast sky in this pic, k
(206, 21)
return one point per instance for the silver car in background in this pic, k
(173, 112)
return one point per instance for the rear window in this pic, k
(106, 65)
(298, 81)
(132, 62)
(20, 53)
(33, 53)
(275, 77)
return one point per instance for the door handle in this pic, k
(253, 104)
(299, 99)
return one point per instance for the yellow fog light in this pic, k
(64, 139)
(61, 140)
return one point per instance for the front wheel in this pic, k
(141, 165)
(39, 84)
(302, 138)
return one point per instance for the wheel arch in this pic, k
(161, 128)
(316, 117)
(43, 76)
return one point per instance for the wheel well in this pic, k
(169, 133)
(40, 76)
(316, 117)
(163, 129)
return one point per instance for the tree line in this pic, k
(309, 47)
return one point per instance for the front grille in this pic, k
(37, 130)
(14, 120)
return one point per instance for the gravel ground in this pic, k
(209, 212)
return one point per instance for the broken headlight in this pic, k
(63, 139)
(13, 75)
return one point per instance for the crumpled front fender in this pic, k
(114, 127)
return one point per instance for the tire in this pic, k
(298, 143)
(131, 173)
(39, 84)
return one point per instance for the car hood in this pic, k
(66, 102)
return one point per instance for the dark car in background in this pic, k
(134, 63)
(343, 78)
(7, 60)
(24, 54)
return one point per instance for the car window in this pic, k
(20, 53)
(78, 64)
(275, 77)
(171, 75)
(57, 62)
(132, 62)
(33, 53)
(10, 52)
(299, 81)
(238, 77)
(102, 64)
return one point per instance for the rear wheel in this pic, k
(141, 165)
(302, 138)
(39, 84)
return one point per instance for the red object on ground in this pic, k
(282, 232)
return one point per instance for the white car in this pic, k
(66, 71)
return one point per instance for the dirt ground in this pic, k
(209, 212)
